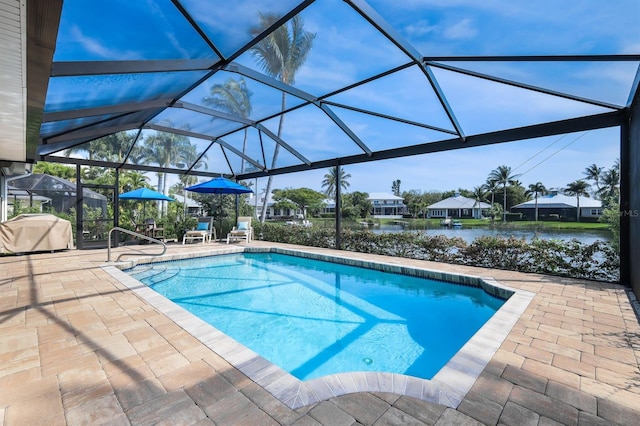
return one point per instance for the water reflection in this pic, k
(470, 234)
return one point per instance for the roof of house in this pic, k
(383, 196)
(459, 202)
(559, 201)
(23, 194)
(329, 203)
(44, 184)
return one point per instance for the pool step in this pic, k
(155, 274)
(164, 275)
(143, 272)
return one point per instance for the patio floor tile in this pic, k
(79, 347)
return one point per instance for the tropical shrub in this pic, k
(595, 261)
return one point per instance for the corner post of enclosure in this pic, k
(79, 209)
(624, 204)
(116, 206)
(630, 197)
(338, 209)
(3, 196)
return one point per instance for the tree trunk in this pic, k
(160, 183)
(244, 150)
(273, 163)
(164, 191)
(504, 204)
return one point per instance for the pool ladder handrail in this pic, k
(135, 234)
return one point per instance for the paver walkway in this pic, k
(77, 347)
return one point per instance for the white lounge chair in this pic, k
(205, 231)
(242, 231)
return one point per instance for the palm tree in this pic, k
(232, 97)
(166, 149)
(55, 169)
(192, 160)
(330, 180)
(577, 188)
(536, 189)
(395, 187)
(594, 173)
(502, 176)
(130, 180)
(138, 154)
(479, 193)
(107, 148)
(281, 54)
(491, 187)
(87, 147)
(610, 189)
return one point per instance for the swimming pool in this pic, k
(315, 318)
(448, 386)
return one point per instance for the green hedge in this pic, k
(595, 261)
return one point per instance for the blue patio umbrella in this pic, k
(219, 185)
(144, 194)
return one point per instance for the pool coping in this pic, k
(448, 387)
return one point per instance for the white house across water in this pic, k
(385, 205)
(558, 206)
(458, 206)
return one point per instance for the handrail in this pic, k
(135, 234)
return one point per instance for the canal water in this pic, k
(470, 234)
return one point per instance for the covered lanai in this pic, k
(71, 79)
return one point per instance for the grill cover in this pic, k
(35, 232)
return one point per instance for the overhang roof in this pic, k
(384, 196)
(559, 201)
(47, 184)
(378, 83)
(12, 93)
(459, 202)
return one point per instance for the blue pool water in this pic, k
(315, 318)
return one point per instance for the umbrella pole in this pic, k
(220, 217)
(237, 206)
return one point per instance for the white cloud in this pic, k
(463, 29)
(632, 48)
(420, 28)
(171, 37)
(99, 49)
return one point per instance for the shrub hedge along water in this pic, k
(596, 261)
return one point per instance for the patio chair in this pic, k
(152, 230)
(205, 231)
(242, 231)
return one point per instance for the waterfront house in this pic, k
(272, 211)
(329, 207)
(458, 206)
(557, 206)
(385, 205)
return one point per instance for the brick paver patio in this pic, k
(78, 347)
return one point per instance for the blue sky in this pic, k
(459, 27)
(560, 164)
(346, 50)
